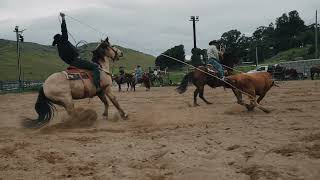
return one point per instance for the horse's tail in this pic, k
(184, 83)
(45, 110)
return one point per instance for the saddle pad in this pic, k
(76, 76)
(73, 73)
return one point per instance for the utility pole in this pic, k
(316, 36)
(194, 19)
(19, 38)
(257, 58)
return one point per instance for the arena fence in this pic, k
(302, 66)
(9, 86)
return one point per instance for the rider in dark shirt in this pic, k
(121, 74)
(69, 54)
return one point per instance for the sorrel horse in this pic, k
(200, 78)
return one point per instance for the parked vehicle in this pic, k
(259, 69)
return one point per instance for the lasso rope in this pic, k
(95, 29)
(85, 24)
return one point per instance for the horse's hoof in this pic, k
(249, 107)
(105, 116)
(195, 105)
(267, 111)
(209, 103)
(125, 116)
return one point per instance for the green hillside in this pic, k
(291, 55)
(39, 61)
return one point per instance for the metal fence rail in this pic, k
(302, 66)
(6, 86)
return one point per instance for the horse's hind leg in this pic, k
(195, 94)
(254, 103)
(260, 98)
(201, 93)
(128, 85)
(103, 98)
(115, 103)
(67, 103)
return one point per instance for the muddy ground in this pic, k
(167, 138)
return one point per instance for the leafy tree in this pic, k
(236, 43)
(175, 52)
(287, 30)
(231, 39)
(196, 58)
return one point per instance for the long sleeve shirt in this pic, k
(67, 51)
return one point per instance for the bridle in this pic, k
(114, 58)
(105, 45)
(116, 55)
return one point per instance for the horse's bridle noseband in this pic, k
(116, 55)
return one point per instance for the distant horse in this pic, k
(157, 78)
(123, 79)
(313, 70)
(130, 79)
(291, 74)
(58, 89)
(200, 79)
(145, 80)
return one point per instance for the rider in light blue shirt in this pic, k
(138, 72)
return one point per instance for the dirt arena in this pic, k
(166, 138)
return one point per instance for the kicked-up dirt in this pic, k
(166, 137)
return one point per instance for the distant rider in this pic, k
(138, 73)
(121, 74)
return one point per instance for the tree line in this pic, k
(288, 31)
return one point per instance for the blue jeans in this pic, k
(138, 77)
(217, 66)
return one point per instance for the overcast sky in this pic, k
(151, 26)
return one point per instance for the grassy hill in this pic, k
(291, 55)
(39, 61)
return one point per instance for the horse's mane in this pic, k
(99, 53)
(95, 57)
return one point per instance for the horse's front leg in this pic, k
(128, 86)
(115, 103)
(103, 98)
(238, 95)
(119, 85)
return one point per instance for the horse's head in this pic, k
(106, 50)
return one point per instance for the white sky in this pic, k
(151, 26)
